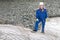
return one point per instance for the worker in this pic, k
(41, 16)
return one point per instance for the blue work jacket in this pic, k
(41, 14)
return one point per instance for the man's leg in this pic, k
(36, 25)
(43, 26)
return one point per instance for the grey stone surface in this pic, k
(53, 7)
(23, 11)
(11, 32)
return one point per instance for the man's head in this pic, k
(41, 5)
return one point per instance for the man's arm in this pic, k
(46, 14)
(36, 15)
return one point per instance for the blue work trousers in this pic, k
(43, 24)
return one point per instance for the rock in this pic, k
(23, 11)
(11, 32)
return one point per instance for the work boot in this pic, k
(43, 32)
(35, 30)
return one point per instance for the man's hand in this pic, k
(37, 20)
(47, 19)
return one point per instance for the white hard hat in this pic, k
(41, 3)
